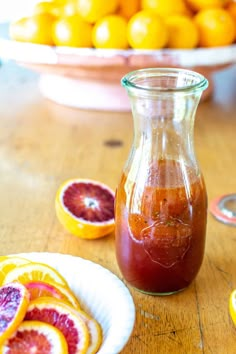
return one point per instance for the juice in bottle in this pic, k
(161, 227)
(161, 201)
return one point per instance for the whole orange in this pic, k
(165, 7)
(93, 10)
(147, 30)
(198, 5)
(17, 29)
(35, 29)
(128, 8)
(231, 8)
(69, 8)
(72, 31)
(216, 27)
(183, 32)
(56, 8)
(110, 32)
(48, 7)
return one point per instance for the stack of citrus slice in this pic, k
(38, 310)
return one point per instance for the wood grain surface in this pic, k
(42, 144)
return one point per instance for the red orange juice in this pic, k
(161, 227)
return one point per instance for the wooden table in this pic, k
(43, 144)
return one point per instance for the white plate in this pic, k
(100, 293)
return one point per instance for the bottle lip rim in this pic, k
(129, 80)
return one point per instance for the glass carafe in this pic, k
(161, 200)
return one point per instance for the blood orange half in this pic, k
(63, 317)
(14, 300)
(85, 208)
(35, 337)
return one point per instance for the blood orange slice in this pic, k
(64, 318)
(40, 289)
(14, 300)
(34, 271)
(35, 337)
(95, 332)
(85, 208)
(8, 263)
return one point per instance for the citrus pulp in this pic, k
(8, 263)
(34, 271)
(85, 208)
(63, 317)
(14, 301)
(95, 332)
(35, 337)
(41, 289)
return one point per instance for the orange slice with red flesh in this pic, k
(63, 317)
(95, 332)
(34, 271)
(14, 301)
(39, 289)
(85, 208)
(35, 337)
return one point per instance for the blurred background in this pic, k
(85, 47)
(12, 9)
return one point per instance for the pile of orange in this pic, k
(123, 24)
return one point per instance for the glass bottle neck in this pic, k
(164, 127)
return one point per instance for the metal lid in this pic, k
(223, 208)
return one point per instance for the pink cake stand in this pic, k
(90, 78)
